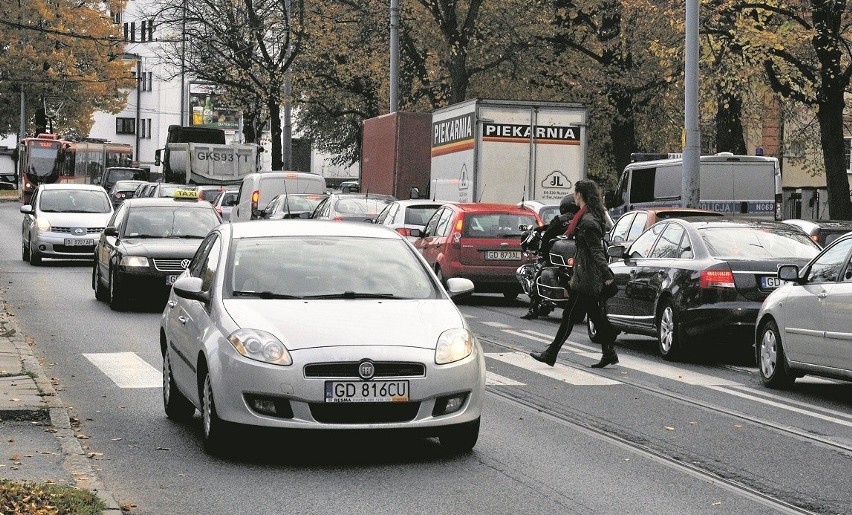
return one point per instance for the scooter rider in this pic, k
(567, 209)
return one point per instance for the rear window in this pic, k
(756, 243)
(360, 206)
(495, 225)
(419, 215)
(548, 213)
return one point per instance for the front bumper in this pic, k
(300, 401)
(136, 281)
(55, 245)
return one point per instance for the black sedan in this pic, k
(700, 281)
(147, 244)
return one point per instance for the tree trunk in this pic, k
(622, 130)
(275, 132)
(729, 125)
(459, 79)
(830, 116)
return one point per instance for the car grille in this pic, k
(89, 230)
(364, 412)
(350, 369)
(169, 265)
(74, 249)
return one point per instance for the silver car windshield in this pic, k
(74, 201)
(754, 243)
(314, 267)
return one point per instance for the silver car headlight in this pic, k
(453, 345)
(42, 225)
(260, 346)
(134, 261)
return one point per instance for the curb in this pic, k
(75, 461)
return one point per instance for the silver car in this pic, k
(804, 326)
(404, 215)
(64, 221)
(315, 324)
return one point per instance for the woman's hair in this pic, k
(591, 193)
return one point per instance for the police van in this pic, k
(730, 184)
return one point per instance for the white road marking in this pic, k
(559, 372)
(498, 325)
(127, 370)
(492, 379)
(782, 405)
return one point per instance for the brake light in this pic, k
(717, 279)
(405, 231)
(337, 219)
(459, 225)
(815, 238)
(255, 198)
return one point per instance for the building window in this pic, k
(144, 34)
(150, 30)
(126, 32)
(125, 126)
(145, 128)
(149, 81)
(115, 16)
(132, 31)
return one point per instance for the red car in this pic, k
(480, 242)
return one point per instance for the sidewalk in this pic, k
(38, 442)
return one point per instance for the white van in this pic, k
(257, 189)
(730, 184)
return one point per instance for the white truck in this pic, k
(507, 151)
(197, 155)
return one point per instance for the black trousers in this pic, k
(579, 304)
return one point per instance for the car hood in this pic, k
(305, 324)
(151, 247)
(77, 219)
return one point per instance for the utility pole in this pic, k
(691, 188)
(394, 55)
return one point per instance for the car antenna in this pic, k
(287, 199)
(481, 194)
(434, 189)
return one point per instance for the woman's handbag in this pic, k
(609, 289)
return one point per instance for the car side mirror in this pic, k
(158, 157)
(27, 209)
(616, 251)
(459, 287)
(190, 288)
(417, 233)
(789, 273)
(111, 231)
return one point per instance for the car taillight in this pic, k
(337, 219)
(815, 238)
(717, 279)
(405, 231)
(455, 239)
(255, 198)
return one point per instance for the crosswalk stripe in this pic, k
(498, 325)
(126, 369)
(782, 405)
(492, 379)
(559, 372)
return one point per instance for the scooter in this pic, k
(545, 278)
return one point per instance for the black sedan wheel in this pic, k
(597, 336)
(101, 292)
(177, 406)
(668, 332)
(460, 438)
(771, 362)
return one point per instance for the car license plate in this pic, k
(366, 391)
(502, 255)
(770, 283)
(170, 279)
(70, 242)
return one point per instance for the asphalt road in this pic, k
(642, 437)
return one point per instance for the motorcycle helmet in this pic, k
(568, 206)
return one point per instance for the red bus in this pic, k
(47, 158)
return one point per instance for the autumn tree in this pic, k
(805, 47)
(244, 47)
(64, 55)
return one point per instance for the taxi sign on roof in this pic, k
(186, 194)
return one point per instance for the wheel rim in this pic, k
(112, 287)
(768, 353)
(592, 331)
(666, 329)
(207, 412)
(167, 378)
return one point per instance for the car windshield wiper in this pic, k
(264, 295)
(353, 295)
(187, 236)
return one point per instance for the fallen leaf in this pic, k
(14, 457)
(163, 449)
(670, 428)
(738, 425)
(116, 439)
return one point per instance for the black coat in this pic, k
(590, 264)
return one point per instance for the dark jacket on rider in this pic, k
(590, 263)
(556, 227)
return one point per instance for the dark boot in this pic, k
(548, 357)
(530, 315)
(609, 356)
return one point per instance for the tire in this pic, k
(25, 251)
(595, 336)
(35, 257)
(215, 431)
(176, 405)
(116, 302)
(101, 292)
(460, 438)
(771, 362)
(668, 332)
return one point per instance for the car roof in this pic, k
(825, 224)
(419, 202)
(487, 207)
(167, 202)
(727, 222)
(273, 228)
(71, 186)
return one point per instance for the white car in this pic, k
(312, 324)
(64, 221)
(804, 326)
(404, 215)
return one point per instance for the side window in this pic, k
(621, 189)
(685, 251)
(385, 217)
(118, 218)
(642, 246)
(642, 185)
(827, 268)
(211, 263)
(442, 228)
(318, 210)
(196, 266)
(847, 275)
(433, 222)
(668, 246)
(619, 232)
(638, 226)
